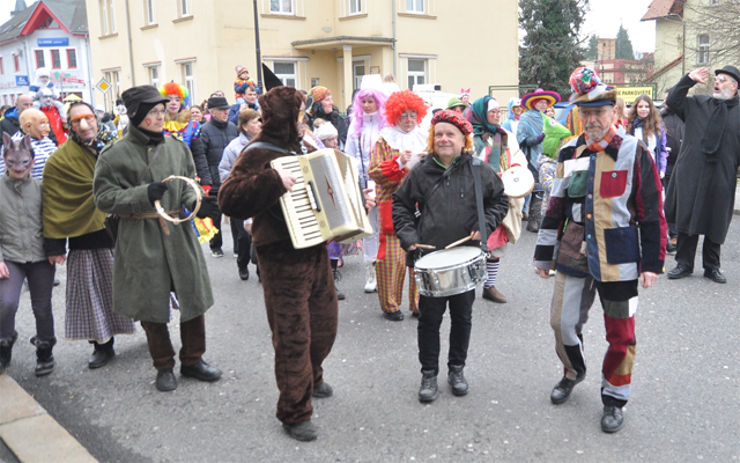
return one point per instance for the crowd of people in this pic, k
(82, 190)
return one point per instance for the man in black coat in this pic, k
(215, 135)
(701, 194)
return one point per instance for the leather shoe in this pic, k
(322, 390)
(244, 274)
(166, 380)
(305, 431)
(201, 371)
(100, 357)
(679, 271)
(612, 419)
(494, 295)
(562, 390)
(395, 316)
(715, 275)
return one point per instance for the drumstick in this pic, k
(460, 241)
(426, 246)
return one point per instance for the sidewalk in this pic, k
(31, 433)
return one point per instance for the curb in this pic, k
(31, 433)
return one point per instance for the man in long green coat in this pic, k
(154, 257)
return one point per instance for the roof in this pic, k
(70, 14)
(661, 8)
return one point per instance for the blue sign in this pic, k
(53, 42)
(21, 81)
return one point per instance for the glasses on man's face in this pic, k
(722, 79)
(409, 116)
(156, 112)
(89, 118)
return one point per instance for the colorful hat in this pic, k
(530, 99)
(454, 118)
(240, 68)
(588, 90)
(172, 88)
(318, 93)
(455, 102)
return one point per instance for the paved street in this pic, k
(686, 382)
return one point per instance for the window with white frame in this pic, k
(416, 71)
(359, 69)
(107, 17)
(415, 6)
(286, 72)
(189, 78)
(184, 7)
(149, 13)
(355, 6)
(702, 53)
(115, 90)
(281, 6)
(153, 71)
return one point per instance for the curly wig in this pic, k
(356, 116)
(171, 88)
(399, 102)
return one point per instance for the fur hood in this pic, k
(280, 107)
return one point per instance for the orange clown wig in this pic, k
(172, 88)
(400, 102)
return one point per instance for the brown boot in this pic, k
(494, 295)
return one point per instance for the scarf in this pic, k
(603, 142)
(478, 117)
(96, 144)
(715, 128)
(414, 141)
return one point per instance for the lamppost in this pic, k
(257, 45)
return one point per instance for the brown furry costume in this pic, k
(300, 297)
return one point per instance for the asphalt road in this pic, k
(685, 403)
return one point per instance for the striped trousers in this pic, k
(390, 273)
(571, 302)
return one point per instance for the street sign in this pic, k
(629, 94)
(21, 81)
(103, 85)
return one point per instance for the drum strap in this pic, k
(479, 204)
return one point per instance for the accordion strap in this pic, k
(268, 146)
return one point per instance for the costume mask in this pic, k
(34, 123)
(18, 156)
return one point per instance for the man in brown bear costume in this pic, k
(300, 297)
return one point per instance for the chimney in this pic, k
(20, 5)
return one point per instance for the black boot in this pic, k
(456, 380)
(428, 389)
(6, 351)
(44, 357)
(535, 212)
(101, 355)
(337, 277)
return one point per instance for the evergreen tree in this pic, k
(623, 45)
(592, 52)
(551, 49)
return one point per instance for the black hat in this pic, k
(730, 71)
(271, 80)
(141, 97)
(216, 102)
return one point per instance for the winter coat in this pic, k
(448, 212)
(231, 152)
(21, 237)
(674, 128)
(214, 137)
(701, 194)
(531, 126)
(149, 261)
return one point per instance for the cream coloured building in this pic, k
(471, 44)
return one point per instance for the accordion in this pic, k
(325, 202)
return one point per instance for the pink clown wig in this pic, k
(356, 116)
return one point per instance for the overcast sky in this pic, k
(603, 19)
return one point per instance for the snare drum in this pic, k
(518, 181)
(450, 271)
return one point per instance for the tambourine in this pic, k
(198, 196)
(518, 181)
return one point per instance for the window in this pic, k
(107, 17)
(355, 6)
(281, 6)
(115, 90)
(149, 12)
(189, 78)
(184, 7)
(71, 58)
(286, 72)
(416, 72)
(415, 6)
(702, 54)
(56, 59)
(153, 72)
(17, 63)
(358, 70)
(39, 54)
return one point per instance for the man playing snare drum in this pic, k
(603, 230)
(441, 189)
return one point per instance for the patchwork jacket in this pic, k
(605, 215)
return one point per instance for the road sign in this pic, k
(103, 85)
(21, 81)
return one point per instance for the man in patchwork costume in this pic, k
(604, 230)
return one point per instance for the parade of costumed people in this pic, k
(75, 232)
(530, 134)
(400, 146)
(498, 148)
(366, 121)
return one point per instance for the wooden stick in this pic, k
(426, 246)
(460, 241)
